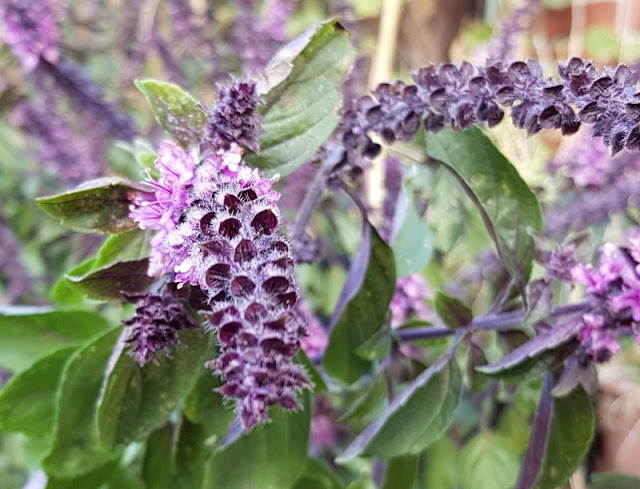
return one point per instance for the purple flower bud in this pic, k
(154, 327)
(30, 29)
(233, 118)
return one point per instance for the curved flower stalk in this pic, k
(462, 95)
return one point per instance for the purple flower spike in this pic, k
(233, 118)
(30, 29)
(228, 245)
(155, 325)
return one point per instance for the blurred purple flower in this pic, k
(504, 41)
(30, 29)
(317, 337)
(409, 301)
(256, 36)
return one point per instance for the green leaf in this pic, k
(363, 482)
(319, 385)
(98, 206)
(486, 462)
(91, 479)
(317, 475)
(65, 294)
(413, 243)
(109, 282)
(75, 448)
(192, 450)
(452, 310)
(415, 419)
(27, 401)
(570, 435)
(377, 347)
(206, 407)
(158, 464)
(365, 313)
(137, 400)
(30, 333)
(366, 405)
(509, 208)
(176, 111)
(271, 456)
(611, 480)
(440, 471)
(302, 97)
(105, 276)
(401, 472)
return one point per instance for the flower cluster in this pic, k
(409, 300)
(233, 118)
(462, 95)
(155, 325)
(504, 42)
(217, 228)
(30, 29)
(614, 290)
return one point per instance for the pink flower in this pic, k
(409, 301)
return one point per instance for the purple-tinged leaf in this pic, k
(453, 312)
(417, 417)
(574, 375)
(111, 281)
(537, 356)
(563, 429)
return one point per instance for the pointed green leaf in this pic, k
(415, 419)
(486, 462)
(75, 448)
(509, 208)
(452, 310)
(302, 97)
(137, 400)
(158, 463)
(401, 472)
(98, 206)
(27, 401)
(370, 287)
(176, 111)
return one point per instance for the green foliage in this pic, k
(364, 314)
(611, 480)
(401, 472)
(98, 206)
(137, 400)
(486, 462)
(271, 456)
(30, 333)
(176, 111)
(510, 209)
(452, 311)
(415, 419)
(27, 402)
(75, 448)
(302, 95)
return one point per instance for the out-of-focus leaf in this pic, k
(537, 356)
(560, 439)
(27, 401)
(98, 206)
(362, 407)
(137, 400)
(110, 281)
(439, 470)
(452, 310)
(75, 448)
(413, 244)
(271, 456)
(319, 385)
(377, 347)
(362, 307)
(176, 111)
(127, 246)
(317, 475)
(29, 333)
(93, 478)
(509, 208)
(612, 480)
(415, 419)
(192, 450)
(363, 482)
(486, 462)
(301, 92)
(158, 463)
(401, 472)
